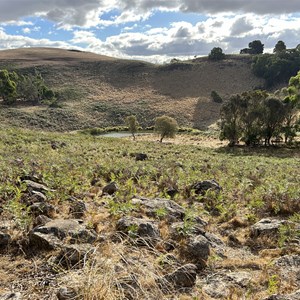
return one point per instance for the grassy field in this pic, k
(256, 184)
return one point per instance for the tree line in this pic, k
(257, 116)
(28, 88)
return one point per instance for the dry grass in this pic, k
(110, 89)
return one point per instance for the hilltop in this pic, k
(100, 91)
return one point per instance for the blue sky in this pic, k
(152, 30)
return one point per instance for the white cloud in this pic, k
(26, 30)
(8, 41)
(87, 13)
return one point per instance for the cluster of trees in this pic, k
(277, 67)
(257, 116)
(255, 47)
(29, 88)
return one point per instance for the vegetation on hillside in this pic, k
(26, 88)
(257, 115)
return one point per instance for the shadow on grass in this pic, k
(280, 151)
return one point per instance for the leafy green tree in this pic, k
(279, 47)
(8, 86)
(132, 124)
(256, 47)
(216, 54)
(273, 117)
(251, 116)
(230, 120)
(166, 127)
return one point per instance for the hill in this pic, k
(100, 91)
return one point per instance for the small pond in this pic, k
(121, 134)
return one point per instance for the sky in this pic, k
(150, 30)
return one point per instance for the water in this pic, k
(121, 134)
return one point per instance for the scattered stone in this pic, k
(77, 208)
(267, 227)
(144, 230)
(41, 220)
(197, 251)
(74, 255)
(203, 186)
(110, 189)
(216, 289)
(56, 145)
(183, 277)
(293, 296)
(240, 278)
(288, 261)
(141, 156)
(172, 192)
(5, 238)
(42, 208)
(11, 296)
(153, 207)
(66, 293)
(56, 231)
(35, 187)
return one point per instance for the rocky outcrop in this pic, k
(110, 188)
(74, 256)
(196, 250)
(5, 238)
(141, 229)
(167, 208)
(183, 277)
(202, 187)
(55, 233)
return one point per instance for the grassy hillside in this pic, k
(50, 176)
(100, 91)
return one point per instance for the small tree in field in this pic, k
(132, 124)
(166, 127)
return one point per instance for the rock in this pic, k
(5, 238)
(145, 230)
(129, 285)
(56, 145)
(289, 267)
(74, 255)
(216, 289)
(293, 296)
(110, 189)
(288, 261)
(267, 227)
(168, 208)
(42, 208)
(66, 293)
(203, 186)
(56, 231)
(240, 278)
(197, 250)
(141, 156)
(41, 220)
(172, 192)
(11, 296)
(183, 277)
(77, 208)
(34, 186)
